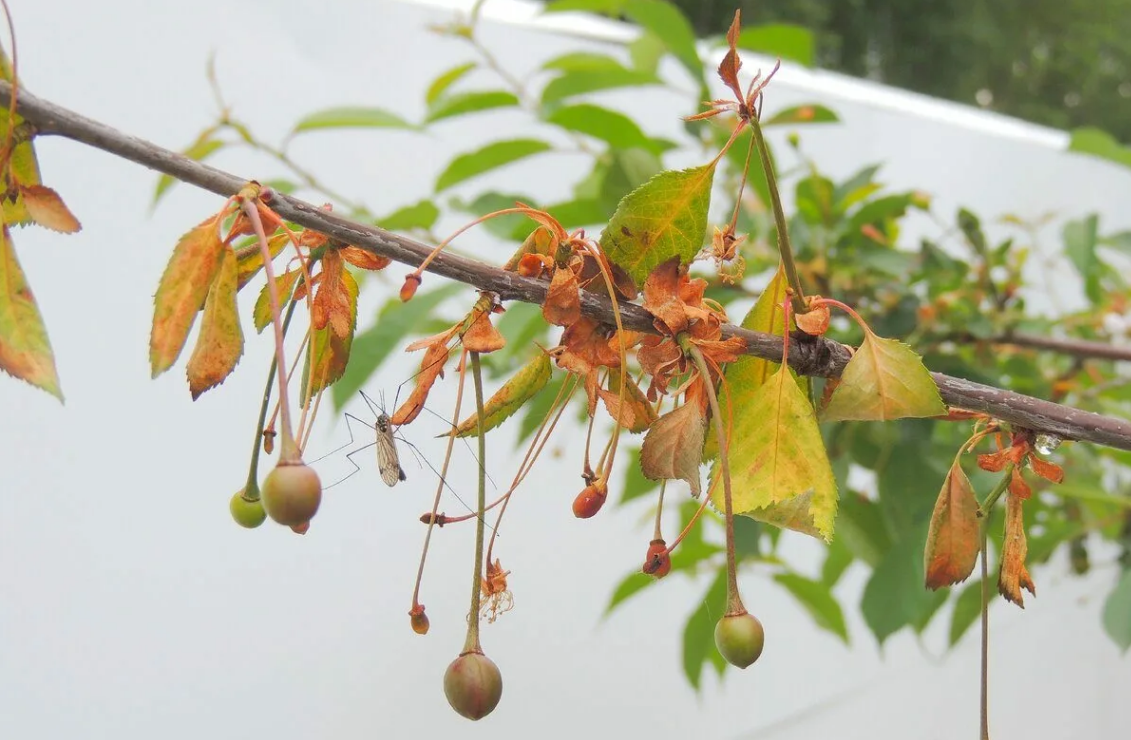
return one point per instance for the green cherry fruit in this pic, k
(248, 512)
(473, 685)
(291, 493)
(739, 638)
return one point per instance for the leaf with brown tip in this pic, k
(220, 343)
(25, 351)
(673, 446)
(182, 291)
(46, 208)
(953, 538)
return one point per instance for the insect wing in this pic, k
(387, 460)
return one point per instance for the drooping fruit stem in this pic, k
(289, 451)
(440, 486)
(784, 246)
(471, 644)
(984, 510)
(253, 469)
(734, 600)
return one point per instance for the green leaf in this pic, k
(646, 51)
(784, 40)
(663, 218)
(1080, 239)
(616, 129)
(513, 226)
(895, 596)
(837, 559)
(445, 80)
(395, 321)
(1117, 612)
(519, 389)
(635, 484)
(449, 106)
(25, 350)
(860, 527)
(780, 474)
(809, 113)
(605, 7)
(669, 24)
(967, 608)
(200, 150)
(351, 117)
(627, 169)
(818, 600)
(576, 60)
(1099, 143)
(419, 215)
(699, 634)
(284, 285)
(490, 157)
(632, 584)
(884, 380)
(583, 81)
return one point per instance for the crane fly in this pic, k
(388, 462)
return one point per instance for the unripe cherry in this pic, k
(419, 620)
(248, 512)
(291, 493)
(740, 638)
(473, 685)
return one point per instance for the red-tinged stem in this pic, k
(289, 452)
(847, 309)
(984, 704)
(253, 468)
(734, 600)
(440, 487)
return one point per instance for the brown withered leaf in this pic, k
(1013, 575)
(1017, 485)
(953, 538)
(1049, 471)
(673, 446)
(562, 306)
(643, 414)
(331, 304)
(365, 260)
(431, 368)
(662, 297)
(731, 63)
(46, 208)
(533, 265)
(329, 353)
(481, 335)
(815, 321)
(219, 345)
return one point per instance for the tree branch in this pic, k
(808, 355)
(1081, 348)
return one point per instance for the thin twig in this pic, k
(807, 356)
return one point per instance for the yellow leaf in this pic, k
(778, 466)
(530, 379)
(251, 260)
(220, 343)
(182, 291)
(884, 380)
(953, 538)
(284, 286)
(25, 350)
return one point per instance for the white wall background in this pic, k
(131, 607)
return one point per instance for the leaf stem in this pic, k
(471, 644)
(784, 246)
(992, 497)
(734, 600)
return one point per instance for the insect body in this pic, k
(387, 460)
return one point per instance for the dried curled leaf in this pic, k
(220, 343)
(530, 379)
(673, 446)
(562, 306)
(953, 537)
(182, 291)
(25, 351)
(481, 335)
(431, 368)
(1013, 575)
(358, 257)
(329, 352)
(331, 305)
